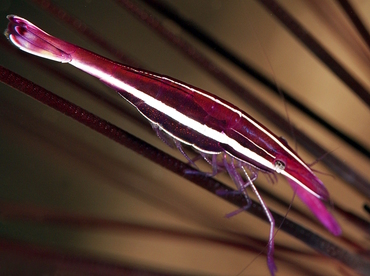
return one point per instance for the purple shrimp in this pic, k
(212, 126)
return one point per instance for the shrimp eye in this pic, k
(279, 166)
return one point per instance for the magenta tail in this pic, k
(33, 40)
(318, 208)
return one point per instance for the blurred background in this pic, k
(147, 218)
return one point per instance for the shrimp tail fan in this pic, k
(31, 39)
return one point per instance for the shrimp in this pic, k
(190, 116)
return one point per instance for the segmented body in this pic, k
(194, 117)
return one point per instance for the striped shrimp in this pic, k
(213, 127)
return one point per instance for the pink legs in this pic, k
(241, 185)
(270, 253)
(232, 169)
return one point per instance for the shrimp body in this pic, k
(193, 117)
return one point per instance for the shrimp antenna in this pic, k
(318, 160)
(321, 157)
(281, 94)
(324, 173)
(292, 133)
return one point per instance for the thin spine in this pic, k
(317, 49)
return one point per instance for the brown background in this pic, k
(49, 161)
